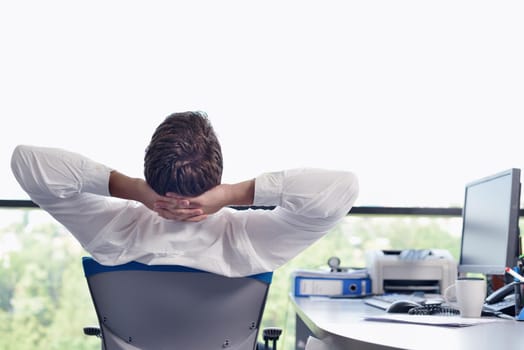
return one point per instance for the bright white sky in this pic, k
(417, 97)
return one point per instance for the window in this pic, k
(417, 98)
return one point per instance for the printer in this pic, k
(408, 271)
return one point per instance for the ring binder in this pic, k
(325, 283)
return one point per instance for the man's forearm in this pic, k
(242, 193)
(125, 187)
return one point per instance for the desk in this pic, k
(339, 323)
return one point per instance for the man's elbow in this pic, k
(18, 166)
(349, 191)
(23, 169)
(353, 188)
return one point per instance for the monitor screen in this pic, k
(490, 218)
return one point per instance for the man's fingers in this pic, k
(197, 218)
(180, 214)
(174, 204)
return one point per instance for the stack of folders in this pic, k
(349, 283)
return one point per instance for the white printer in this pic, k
(407, 271)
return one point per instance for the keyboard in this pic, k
(385, 300)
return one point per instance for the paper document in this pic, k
(445, 321)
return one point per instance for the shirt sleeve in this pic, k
(70, 187)
(309, 203)
(50, 173)
(312, 193)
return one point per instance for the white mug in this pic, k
(469, 293)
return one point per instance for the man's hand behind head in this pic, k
(194, 209)
(175, 207)
(178, 209)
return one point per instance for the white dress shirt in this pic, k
(74, 190)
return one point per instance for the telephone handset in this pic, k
(501, 301)
(501, 293)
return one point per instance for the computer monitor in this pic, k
(490, 224)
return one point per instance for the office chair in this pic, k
(174, 307)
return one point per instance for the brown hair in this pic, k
(184, 155)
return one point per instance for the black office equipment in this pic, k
(501, 294)
(490, 218)
(402, 306)
(434, 310)
(174, 307)
(412, 304)
(490, 231)
(384, 301)
(505, 306)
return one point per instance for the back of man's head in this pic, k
(184, 155)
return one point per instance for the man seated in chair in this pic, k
(180, 214)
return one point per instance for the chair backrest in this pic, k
(173, 307)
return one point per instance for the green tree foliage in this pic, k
(44, 301)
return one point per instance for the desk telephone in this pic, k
(502, 300)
